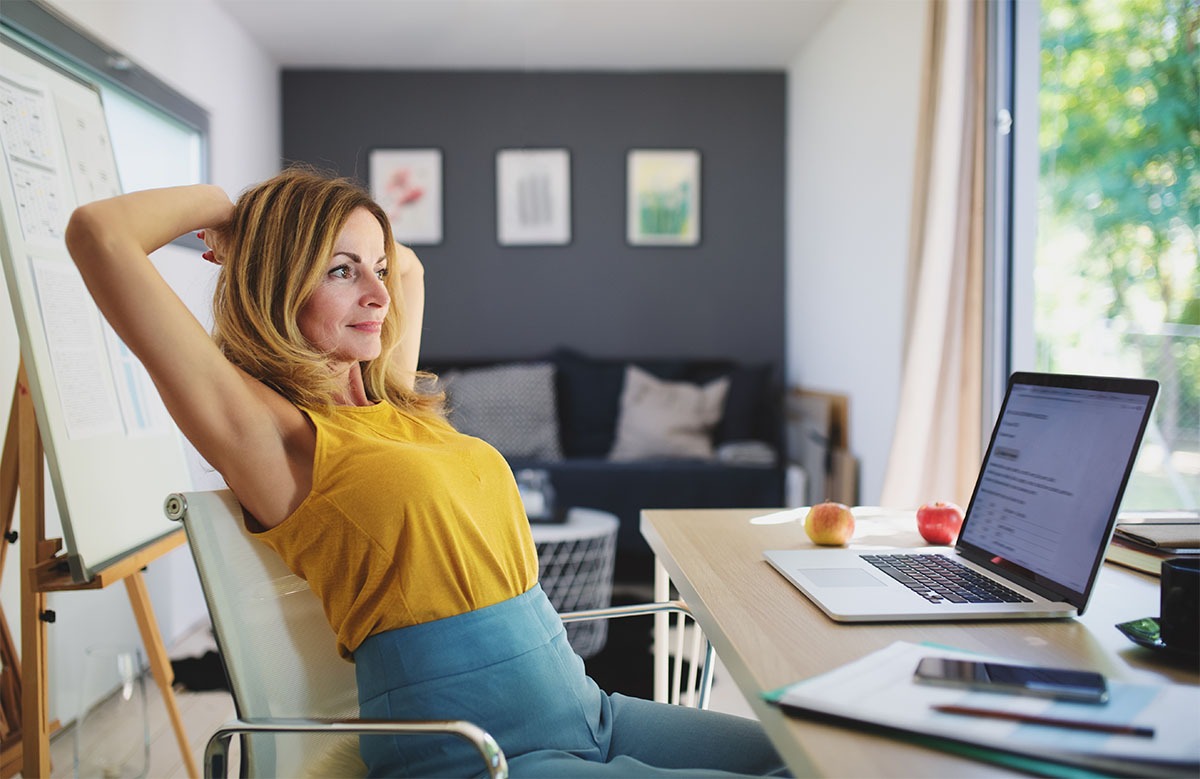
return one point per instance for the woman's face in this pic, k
(345, 313)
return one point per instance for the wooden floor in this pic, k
(203, 712)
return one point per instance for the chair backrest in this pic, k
(279, 652)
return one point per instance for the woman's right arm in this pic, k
(254, 437)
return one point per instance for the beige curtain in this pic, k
(936, 445)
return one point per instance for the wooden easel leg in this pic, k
(22, 464)
(10, 677)
(35, 730)
(10, 704)
(8, 470)
(160, 664)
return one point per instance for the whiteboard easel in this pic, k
(79, 404)
(110, 444)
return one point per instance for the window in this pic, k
(152, 149)
(1105, 268)
(159, 137)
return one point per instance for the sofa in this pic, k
(622, 435)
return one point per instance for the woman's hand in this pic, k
(407, 262)
(411, 274)
(214, 239)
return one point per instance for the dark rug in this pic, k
(625, 664)
(200, 674)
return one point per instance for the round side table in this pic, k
(575, 561)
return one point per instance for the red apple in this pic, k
(829, 524)
(939, 522)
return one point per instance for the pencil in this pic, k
(1033, 719)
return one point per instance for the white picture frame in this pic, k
(533, 197)
(663, 197)
(407, 184)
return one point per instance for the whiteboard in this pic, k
(113, 452)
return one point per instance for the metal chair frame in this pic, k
(191, 507)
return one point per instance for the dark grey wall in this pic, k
(723, 298)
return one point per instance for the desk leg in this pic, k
(662, 652)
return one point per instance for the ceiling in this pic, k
(532, 34)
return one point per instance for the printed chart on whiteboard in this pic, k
(113, 452)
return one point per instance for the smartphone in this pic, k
(1060, 683)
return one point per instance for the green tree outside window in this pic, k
(1117, 277)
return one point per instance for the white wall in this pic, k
(852, 116)
(209, 59)
(852, 120)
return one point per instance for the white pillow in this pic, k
(670, 419)
(512, 407)
(340, 758)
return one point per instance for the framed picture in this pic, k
(663, 198)
(407, 183)
(533, 197)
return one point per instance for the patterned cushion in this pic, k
(512, 407)
(667, 418)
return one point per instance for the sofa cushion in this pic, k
(589, 397)
(748, 405)
(672, 419)
(511, 406)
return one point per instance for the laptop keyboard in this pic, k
(938, 579)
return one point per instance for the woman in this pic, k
(413, 535)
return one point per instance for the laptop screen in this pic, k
(1053, 476)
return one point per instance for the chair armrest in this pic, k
(216, 754)
(657, 607)
(633, 610)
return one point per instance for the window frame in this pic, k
(49, 28)
(1000, 138)
(1012, 165)
(36, 28)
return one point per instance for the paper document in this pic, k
(74, 335)
(29, 139)
(879, 689)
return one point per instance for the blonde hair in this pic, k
(277, 245)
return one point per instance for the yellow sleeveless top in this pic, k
(408, 521)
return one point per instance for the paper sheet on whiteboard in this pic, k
(74, 334)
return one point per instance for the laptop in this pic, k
(1043, 509)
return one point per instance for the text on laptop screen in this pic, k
(1047, 488)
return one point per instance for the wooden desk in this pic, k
(768, 634)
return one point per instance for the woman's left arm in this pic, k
(412, 288)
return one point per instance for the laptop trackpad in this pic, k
(840, 577)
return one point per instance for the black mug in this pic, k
(1179, 620)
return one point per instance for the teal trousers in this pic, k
(509, 669)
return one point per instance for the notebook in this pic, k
(1043, 510)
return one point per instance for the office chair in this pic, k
(280, 656)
